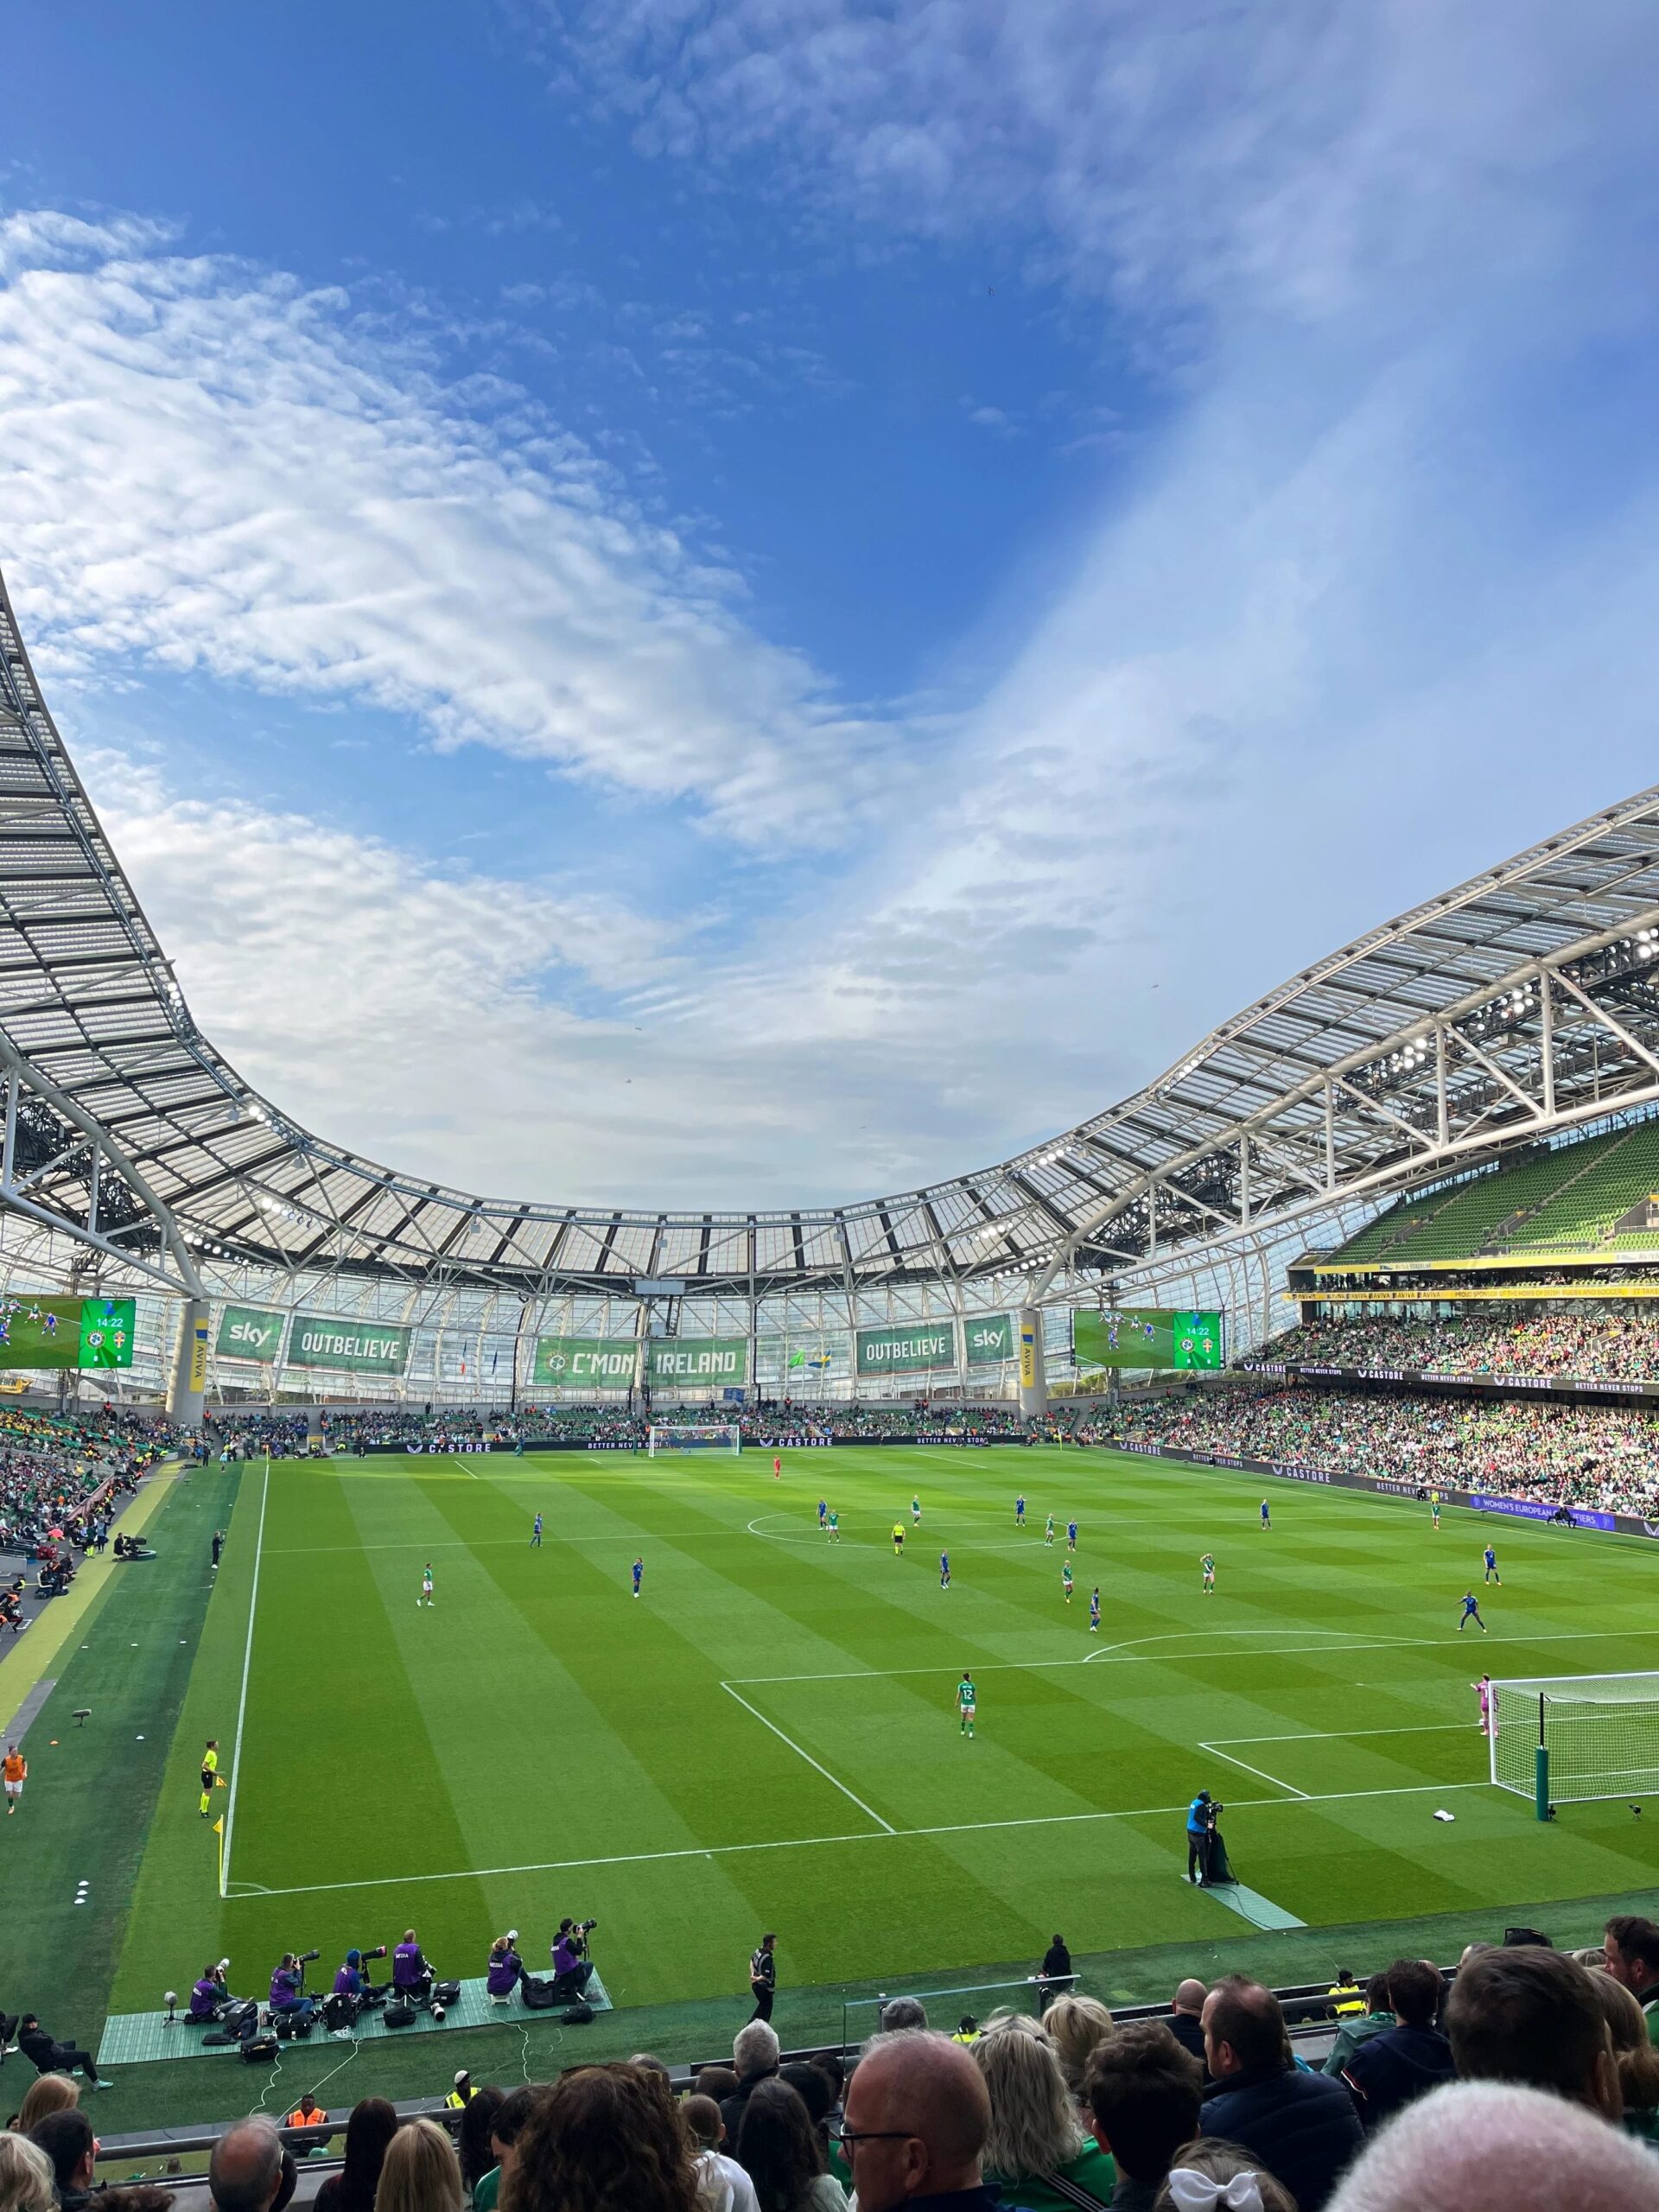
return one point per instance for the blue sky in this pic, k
(734, 600)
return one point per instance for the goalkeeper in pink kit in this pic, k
(1486, 1699)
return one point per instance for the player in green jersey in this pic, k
(1208, 1565)
(965, 1703)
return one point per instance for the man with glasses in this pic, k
(917, 2114)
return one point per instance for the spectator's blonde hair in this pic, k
(1633, 2052)
(420, 2172)
(25, 2176)
(1034, 2124)
(51, 2092)
(1077, 2026)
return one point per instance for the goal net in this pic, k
(671, 1436)
(1599, 1732)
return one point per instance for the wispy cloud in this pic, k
(209, 466)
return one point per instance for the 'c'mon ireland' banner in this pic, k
(65, 1331)
(1146, 1336)
(697, 1361)
(358, 1347)
(989, 1338)
(249, 1332)
(584, 1363)
(910, 1350)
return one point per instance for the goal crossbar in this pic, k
(692, 1436)
(1569, 1738)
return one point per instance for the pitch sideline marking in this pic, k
(861, 1835)
(242, 1701)
(850, 1795)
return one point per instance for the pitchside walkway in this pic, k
(26, 1672)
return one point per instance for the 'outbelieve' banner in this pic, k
(356, 1347)
(912, 1349)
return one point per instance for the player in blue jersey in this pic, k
(1093, 1611)
(1470, 1612)
(638, 1575)
(1492, 1574)
(1019, 1512)
(536, 1535)
(944, 1570)
(1070, 1535)
(823, 1509)
(1266, 1517)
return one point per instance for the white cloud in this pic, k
(1190, 155)
(208, 467)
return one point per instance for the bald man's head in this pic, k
(1490, 2147)
(923, 2103)
(246, 2169)
(1190, 1997)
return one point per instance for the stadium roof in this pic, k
(1520, 1004)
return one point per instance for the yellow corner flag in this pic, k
(218, 1824)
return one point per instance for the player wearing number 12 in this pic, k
(965, 1703)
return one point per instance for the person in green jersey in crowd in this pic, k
(965, 1703)
(1208, 1565)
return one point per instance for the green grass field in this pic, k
(767, 1737)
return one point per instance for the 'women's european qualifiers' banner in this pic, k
(1146, 1336)
(355, 1347)
(249, 1332)
(700, 1361)
(911, 1350)
(989, 1338)
(65, 1331)
(584, 1363)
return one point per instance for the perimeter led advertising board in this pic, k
(249, 1332)
(911, 1350)
(989, 1338)
(1146, 1336)
(65, 1331)
(584, 1363)
(696, 1360)
(356, 1347)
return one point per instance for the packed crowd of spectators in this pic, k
(1528, 2079)
(235, 1435)
(55, 1467)
(1596, 1341)
(1600, 1456)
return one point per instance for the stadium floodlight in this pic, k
(678, 1436)
(1567, 1739)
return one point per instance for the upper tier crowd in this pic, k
(410, 1428)
(1602, 1457)
(1597, 1341)
(1530, 2080)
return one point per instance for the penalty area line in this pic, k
(852, 1797)
(1260, 1772)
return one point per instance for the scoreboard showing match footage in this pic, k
(1147, 1336)
(65, 1331)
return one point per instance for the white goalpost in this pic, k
(1567, 1739)
(681, 1436)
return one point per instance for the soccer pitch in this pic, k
(767, 1738)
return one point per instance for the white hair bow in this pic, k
(1195, 2192)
